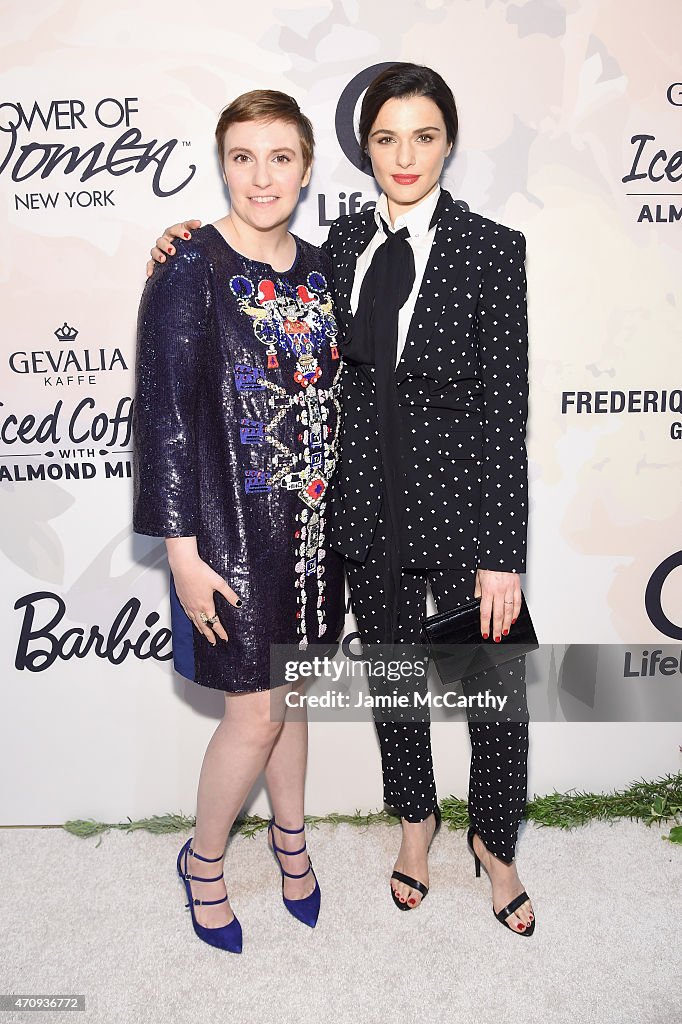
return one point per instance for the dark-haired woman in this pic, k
(432, 480)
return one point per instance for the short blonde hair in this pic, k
(267, 105)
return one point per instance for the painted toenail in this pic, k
(412, 902)
(521, 927)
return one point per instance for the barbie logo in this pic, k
(43, 639)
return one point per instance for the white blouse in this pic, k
(417, 222)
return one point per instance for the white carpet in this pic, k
(109, 922)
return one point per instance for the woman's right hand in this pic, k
(164, 245)
(195, 583)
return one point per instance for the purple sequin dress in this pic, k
(235, 438)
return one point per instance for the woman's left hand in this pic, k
(500, 594)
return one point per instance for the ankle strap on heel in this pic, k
(289, 853)
(206, 903)
(289, 831)
(208, 860)
(288, 874)
(199, 878)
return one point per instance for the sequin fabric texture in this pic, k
(235, 432)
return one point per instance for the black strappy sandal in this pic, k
(414, 883)
(507, 911)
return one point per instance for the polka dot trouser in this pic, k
(499, 749)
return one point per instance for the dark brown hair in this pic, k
(267, 105)
(405, 81)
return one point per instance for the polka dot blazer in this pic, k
(463, 393)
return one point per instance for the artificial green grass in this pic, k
(649, 802)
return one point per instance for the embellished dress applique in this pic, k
(235, 427)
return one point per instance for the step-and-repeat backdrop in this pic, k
(571, 127)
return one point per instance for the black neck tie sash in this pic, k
(373, 341)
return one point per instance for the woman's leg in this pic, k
(499, 755)
(498, 780)
(285, 781)
(235, 757)
(406, 761)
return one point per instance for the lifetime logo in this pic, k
(345, 124)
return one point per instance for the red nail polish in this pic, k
(186, 235)
(513, 621)
(485, 636)
(521, 927)
(497, 639)
(504, 632)
(412, 902)
(170, 250)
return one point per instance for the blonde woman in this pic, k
(235, 435)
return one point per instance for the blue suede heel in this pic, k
(307, 909)
(227, 936)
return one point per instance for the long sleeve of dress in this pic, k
(172, 336)
(503, 339)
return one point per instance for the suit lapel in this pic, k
(442, 270)
(353, 245)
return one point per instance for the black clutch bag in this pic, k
(458, 649)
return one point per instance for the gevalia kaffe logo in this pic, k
(33, 151)
(63, 443)
(68, 365)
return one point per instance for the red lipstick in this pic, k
(405, 179)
